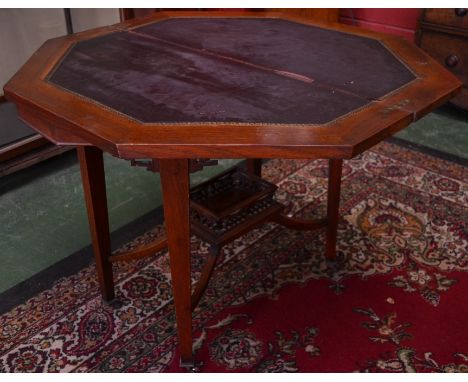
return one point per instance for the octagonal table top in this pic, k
(227, 85)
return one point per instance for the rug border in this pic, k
(43, 280)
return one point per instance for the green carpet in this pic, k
(43, 217)
(445, 130)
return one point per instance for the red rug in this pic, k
(398, 302)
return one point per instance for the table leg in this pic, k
(333, 205)
(254, 166)
(94, 187)
(175, 185)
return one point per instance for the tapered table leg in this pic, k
(175, 185)
(254, 166)
(333, 205)
(94, 187)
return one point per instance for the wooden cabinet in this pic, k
(443, 33)
(322, 14)
(451, 17)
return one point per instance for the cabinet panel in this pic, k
(443, 33)
(454, 17)
(451, 51)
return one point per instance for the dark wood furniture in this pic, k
(29, 148)
(318, 14)
(173, 90)
(235, 202)
(443, 33)
(20, 146)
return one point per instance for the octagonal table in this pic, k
(174, 90)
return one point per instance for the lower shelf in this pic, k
(230, 205)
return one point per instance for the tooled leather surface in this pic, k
(231, 70)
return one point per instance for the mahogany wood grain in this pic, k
(254, 166)
(443, 33)
(319, 14)
(443, 47)
(126, 138)
(175, 187)
(333, 205)
(450, 17)
(30, 158)
(71, 119)
(254, 221)
(22, 147)
(94, 187)
(243, 191)
(25, 152)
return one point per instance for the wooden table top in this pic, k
(227, 85)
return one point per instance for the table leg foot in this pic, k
(189, 365)
(333, 206)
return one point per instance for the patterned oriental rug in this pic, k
(398, 303)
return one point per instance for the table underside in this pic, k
(225, 70)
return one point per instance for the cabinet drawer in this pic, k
(455, 17)
(450, 50)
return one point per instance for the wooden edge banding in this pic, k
(126, 138)
(21, 147)
(300, 224)
(140, 252)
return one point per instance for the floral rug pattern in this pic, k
(393, 301)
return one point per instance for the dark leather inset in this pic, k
(252, 71)
(358, 64)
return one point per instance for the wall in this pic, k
(397, 21)
(22, 31)
(86, 18)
